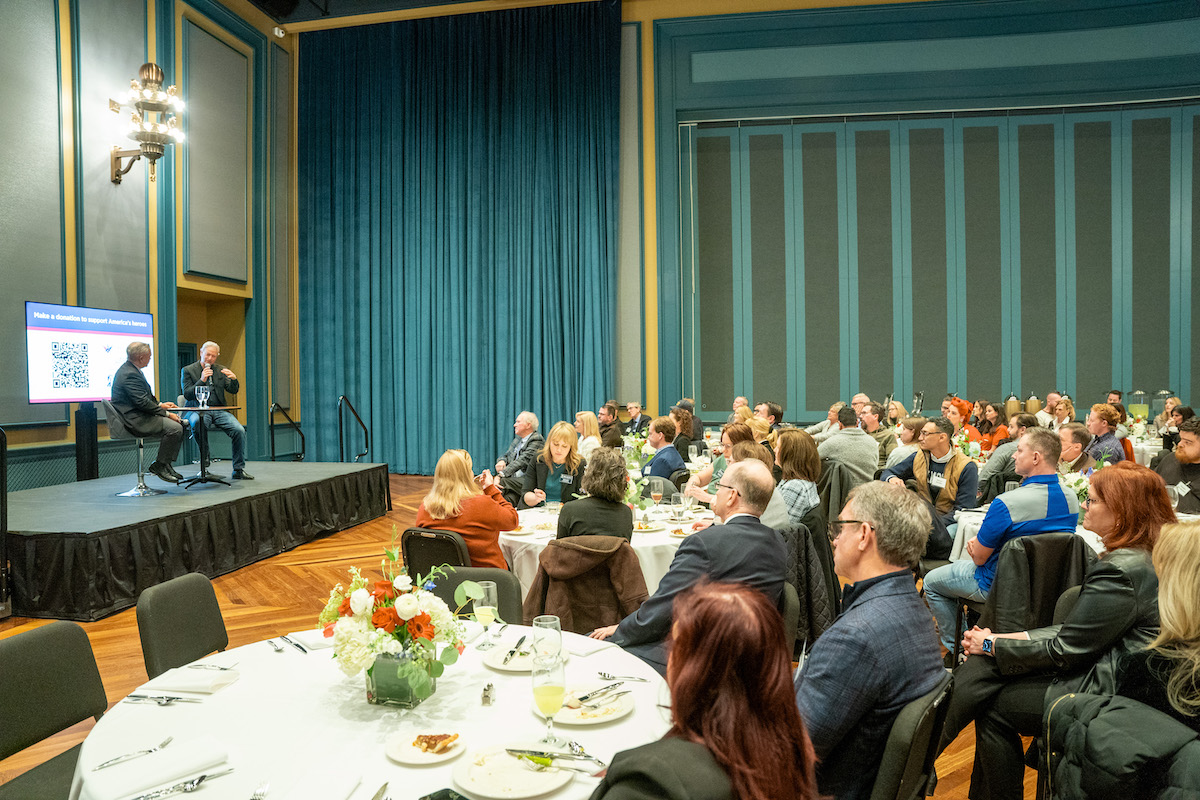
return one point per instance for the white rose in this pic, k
(407, 607)
(361, 601)
(402, 583)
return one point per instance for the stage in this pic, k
(80, 552)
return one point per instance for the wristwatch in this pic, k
(987, 645)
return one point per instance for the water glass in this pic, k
(547, 637)
(693, 451)
(679, 506)
(485, 612)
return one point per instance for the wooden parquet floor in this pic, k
(285, 593)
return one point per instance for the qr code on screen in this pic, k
(70, 364)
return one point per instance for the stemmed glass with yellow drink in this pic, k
(485, 612)
(549, 689)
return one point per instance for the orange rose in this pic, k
(421, 627)
(385, 618)
(328, 632)
(344, 608)
(384, 590)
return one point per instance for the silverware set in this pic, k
(183, 787)
(609, 677)
(160, 699)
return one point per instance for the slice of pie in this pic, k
(434, 743)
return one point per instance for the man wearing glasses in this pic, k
(740, 549)
(942, 474)
(1181, 468)
(882, 652)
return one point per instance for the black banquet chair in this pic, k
(179, 621)
(911, 747)
(425, 548)
(48, 682)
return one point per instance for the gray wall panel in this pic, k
(823, 339)
(1038, 266)
(768, 241)
(31, 265)
(873, 200)
(281, 179)
(982, 231)
(216, 191)
(713, 279)
(115, 248)
(1093, 262)
(1151, 232)
(927, 170)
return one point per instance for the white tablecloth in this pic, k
(292, 717)
(1144, 451)
(970, 521)
(655, 550)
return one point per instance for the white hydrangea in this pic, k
(441, 616)
(407, 606)
(350, 642)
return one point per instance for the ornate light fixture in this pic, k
(153, 122)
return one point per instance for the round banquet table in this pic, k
(971, 520)
(1144, 451)
(655, 549)
(294, 719)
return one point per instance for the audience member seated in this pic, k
(896, 414)
(682, 418)
(744, 414)
(1181, 468)
(1045, 417)
(1075, 438)
(1163, 421)
(1010, 678)
(525, 446)
(610, 429)
(881, 653)
(907, 433)
(1064, 412)
(740, 549)
(1101, 423)
(603, 511)
(771, 412)
(956, 410)
(828, 426)
(775, 515)
(994, 427)
(666, 458)
(696, 432)
(1041, 504)
(588, 428)
(1114, 396)
(1001, 459)
(556, 474)
(852, 446)
(977, 410)
(1122, 429)
(800, 467)
(638, 422)
(1179, 415)
(942, 475)
(469, 506)
(735, 733)
(871, 420)
(738, 402)
(703, 485)
(859, 402)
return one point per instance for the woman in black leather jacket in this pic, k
(1012, 678)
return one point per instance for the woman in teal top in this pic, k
(703, 485)
(556, 475)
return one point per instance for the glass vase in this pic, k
(400, 680)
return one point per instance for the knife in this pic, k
(382, 791)
(603, 690)
(168, 697)
(183, 786)
(513, 652)
(295, 644)
(551, 754)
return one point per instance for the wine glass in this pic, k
(679, 506)
(202, 396)
(693, 451)
(549, 689)
(547, 637)
(656, 494)
(485, 612)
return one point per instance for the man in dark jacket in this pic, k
(1181, 468)
(610, 428)
(143, 414)
(525, 446)
(221, 382)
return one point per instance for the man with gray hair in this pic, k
(520, 455)
(221, 382)
(882, 652)
(1039, 505)
(740, 549)
(143, 414)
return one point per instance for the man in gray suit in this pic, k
(520, 455)
(740, 549)
(144, 415)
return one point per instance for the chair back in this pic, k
(912, 745)
(1032, 572)
(1065, 604)
(789, 606)
(179, 621)
(425, 548)
(588, 581)
(655, 483)
(116, 423)
(48, 682)
(993, 487)
(834, 486)
(679, 479)
(508, 588)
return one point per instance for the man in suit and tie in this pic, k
(740, 549)
(221, 382)
(520, 455)
(638, 422)
(882, 652)
(143, 414)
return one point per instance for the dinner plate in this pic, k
(522, 532)
(683, 532)
(651, 529)
(621, 707)
(493, 774)
(399, 747)
(519, 663)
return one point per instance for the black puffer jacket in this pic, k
(1114, 747)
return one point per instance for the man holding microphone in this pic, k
(220, 380)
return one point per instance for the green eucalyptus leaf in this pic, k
(449, 656)
(436, 668)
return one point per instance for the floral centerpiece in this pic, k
(396, 629)
(971, 450)
(1137, 426)
(636, 454)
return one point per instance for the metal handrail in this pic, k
(271, 417)
(343, 400)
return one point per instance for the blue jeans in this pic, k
(944, 589)
(223, 421)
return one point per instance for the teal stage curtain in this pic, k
(457, 227)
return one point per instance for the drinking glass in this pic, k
(547, 637)
(656, 494)
(549, 689)
(485, 612)
(202, 396)
(693, 451)
(1173, 495)
(679, 506)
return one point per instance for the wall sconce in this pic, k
(153, 124)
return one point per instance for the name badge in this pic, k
(566, 478)
(1183, 489)
(937, 481)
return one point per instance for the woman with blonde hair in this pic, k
(744, 414)
(828, 426)
(1064, 412)
(588, 428)
(472, 507)
(703, 485)
(557, 474)
(907, 433)
(1163, 421)
(896, 414)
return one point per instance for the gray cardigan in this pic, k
(856, 449)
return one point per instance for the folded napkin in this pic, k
(185, 679)
(585, 647)
(312, 638)
(185, 757)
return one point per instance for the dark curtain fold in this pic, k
(457, 225)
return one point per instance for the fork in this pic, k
(260, 792)
(138, 754)
(609, 677)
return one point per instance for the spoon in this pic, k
(274, 646)
(137, 754)
(577, 749)
(606, 676)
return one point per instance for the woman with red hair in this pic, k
(1010, 679)
(736, 731)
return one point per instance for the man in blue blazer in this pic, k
(740, 549)
(666, 459)
(882, 652)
